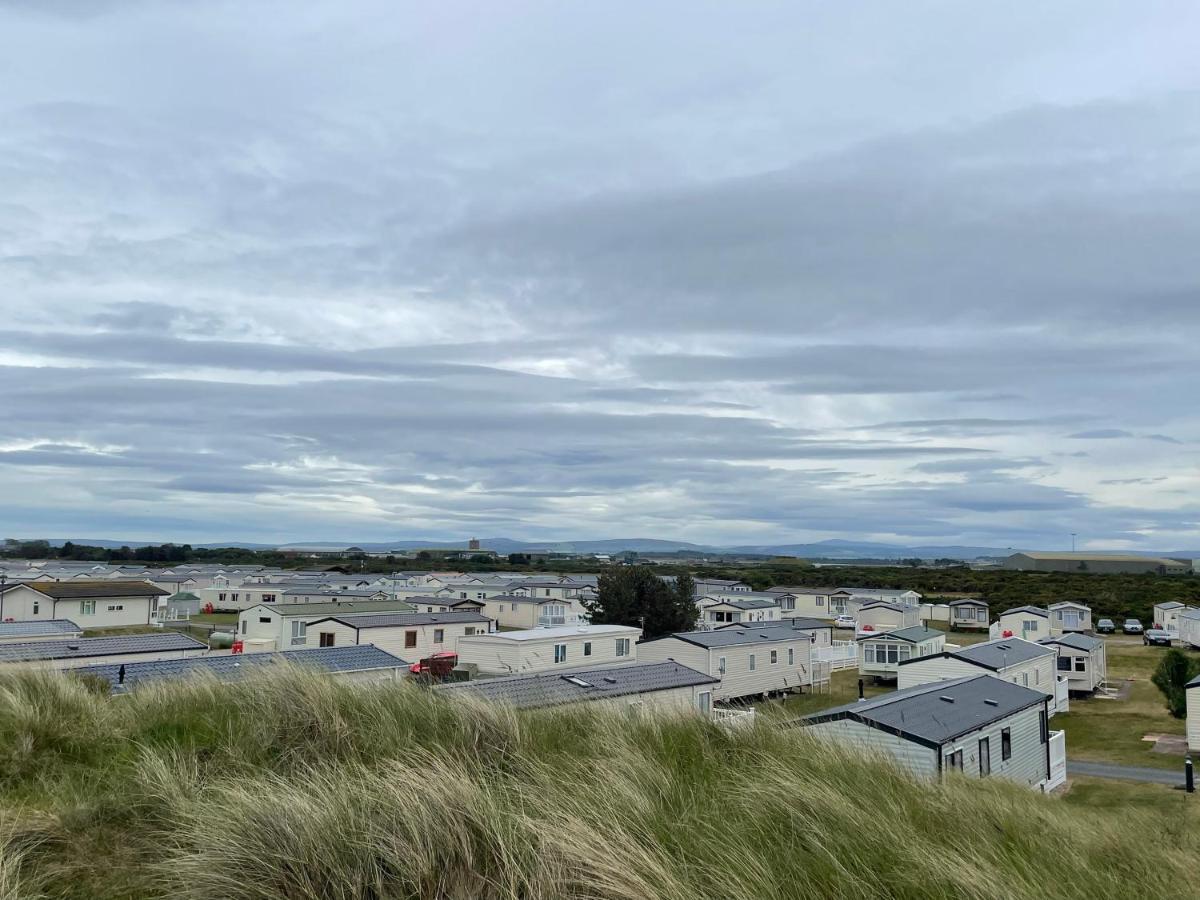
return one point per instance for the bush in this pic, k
(1174, 671)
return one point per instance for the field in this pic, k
(298, 786)
(1112, 730)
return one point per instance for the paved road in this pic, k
(1124, 773)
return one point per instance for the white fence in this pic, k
(733, 718)
(1058, 761)
(839, 655)
(935, 612)
(1062, 695)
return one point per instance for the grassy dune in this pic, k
(297, 786)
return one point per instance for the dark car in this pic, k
(1105, 626)
(1132, 626)
(1157, 636)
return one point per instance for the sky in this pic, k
(737, 274)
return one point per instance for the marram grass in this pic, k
(292, 785)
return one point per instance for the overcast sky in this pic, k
(921, 272)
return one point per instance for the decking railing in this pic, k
(839, 655)
(1058, 761)
(733, 718)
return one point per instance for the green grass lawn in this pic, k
(1111, 730)
(225, 618)
(1121, 796)
(843, 688)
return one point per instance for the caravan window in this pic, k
(1006, 743)
(560, 653)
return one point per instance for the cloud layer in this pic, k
(369, 271)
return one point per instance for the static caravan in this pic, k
(413, 636)
(749, 660)
(821, 631)
(818, 602)
(884, 615)
(90, 603)
(1188, 622)
(271, 626)
(1082, 659)
(883, 595)
(1069, 617)
(449, 602)
(40, 630)
(1166, 615)
(522, 612)
(1193, 714)
(123, 648)
(977, 726)
(1011, 659)
(702, 587)
(361, 663)
(658, 687)
(1030, 623)
(968, 614)
(544, 649)
(881, 653)
(724, 610)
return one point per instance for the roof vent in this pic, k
(991, 702)
(1004, 646)
(946, 699)
(610, 679)
(578, 681)
(72, 646)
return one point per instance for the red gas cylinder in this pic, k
(238, 647)
(1007, 634)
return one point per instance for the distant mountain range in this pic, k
(829, 549)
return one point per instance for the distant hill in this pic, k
(835, 548)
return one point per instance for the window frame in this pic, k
(1005, 744)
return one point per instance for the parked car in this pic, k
(1105, 626)
(1132, 626)
(845, 621)
(1156, 636)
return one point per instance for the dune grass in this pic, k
(293, 785)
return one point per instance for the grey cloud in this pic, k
(1101, 434)
(417, 278)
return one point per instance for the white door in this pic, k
(704, 702)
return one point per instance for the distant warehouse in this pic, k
(1101, 563)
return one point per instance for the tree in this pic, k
(1174, 671)
(634, 595)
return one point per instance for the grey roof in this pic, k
(747, 633)
(1076, 640)
(887, 604)
(1169, 604)
(803, 623)
(913, 634)
(937, 713)
(1190, 613)
(43, 626)
(86, 590)
(1194, 683)
(968, 601)
(1001, 653)
(557, 688)
(1031, 610)
(331, 592)
(746, 604)
(520, 598)
(335, 607)
(399, 620)
(352, 658)
(160, 642)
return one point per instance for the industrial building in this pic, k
(1098, 563)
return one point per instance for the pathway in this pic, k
(1125, 773)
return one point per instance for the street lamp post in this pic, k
(1072, 541)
